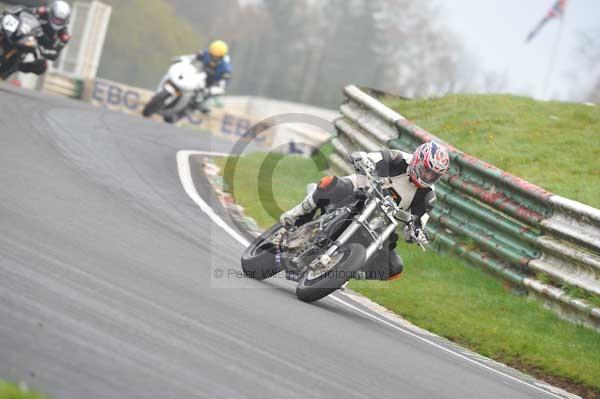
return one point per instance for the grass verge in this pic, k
(555, 145)
(442, 294)
(12, 391)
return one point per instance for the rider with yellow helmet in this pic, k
(217, 66)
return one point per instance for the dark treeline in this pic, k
(307, 50)
(296, 50)
(143, 37)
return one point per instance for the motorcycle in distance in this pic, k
(18, 39)
(176, 91)
(322, 254)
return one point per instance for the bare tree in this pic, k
(589, 49)
(307, 50)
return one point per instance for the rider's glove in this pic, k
(415, 235)
(361, 162)
(407, 233)
(216, 90)
(422, 237)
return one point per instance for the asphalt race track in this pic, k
(107, 287)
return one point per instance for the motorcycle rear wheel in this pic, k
(258, 260)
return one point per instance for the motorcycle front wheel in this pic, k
(348, 258)
(156, 103)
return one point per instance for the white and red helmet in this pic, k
(429, 162)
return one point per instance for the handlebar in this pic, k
(415, 238)
(377, 187)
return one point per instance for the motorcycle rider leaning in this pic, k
(217, 65)
(410, 177)
(55, 21)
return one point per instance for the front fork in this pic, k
(361, 221)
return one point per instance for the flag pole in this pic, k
(553, 57)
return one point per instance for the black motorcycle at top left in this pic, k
(19, 35)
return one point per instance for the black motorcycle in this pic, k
(18, 39)
(345, 241)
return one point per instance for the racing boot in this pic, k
(306, 207)
(396, 266)
(395, 261)
(385, 266)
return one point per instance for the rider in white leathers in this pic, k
(217, 65)
(410, 178)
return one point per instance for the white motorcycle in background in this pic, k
(177, 90)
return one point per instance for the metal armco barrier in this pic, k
(231, 117)
(541, 242)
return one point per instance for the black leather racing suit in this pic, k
(51, 42)
(393, 165)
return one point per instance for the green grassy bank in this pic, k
(12, 391)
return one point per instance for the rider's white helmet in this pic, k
(59, 14)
